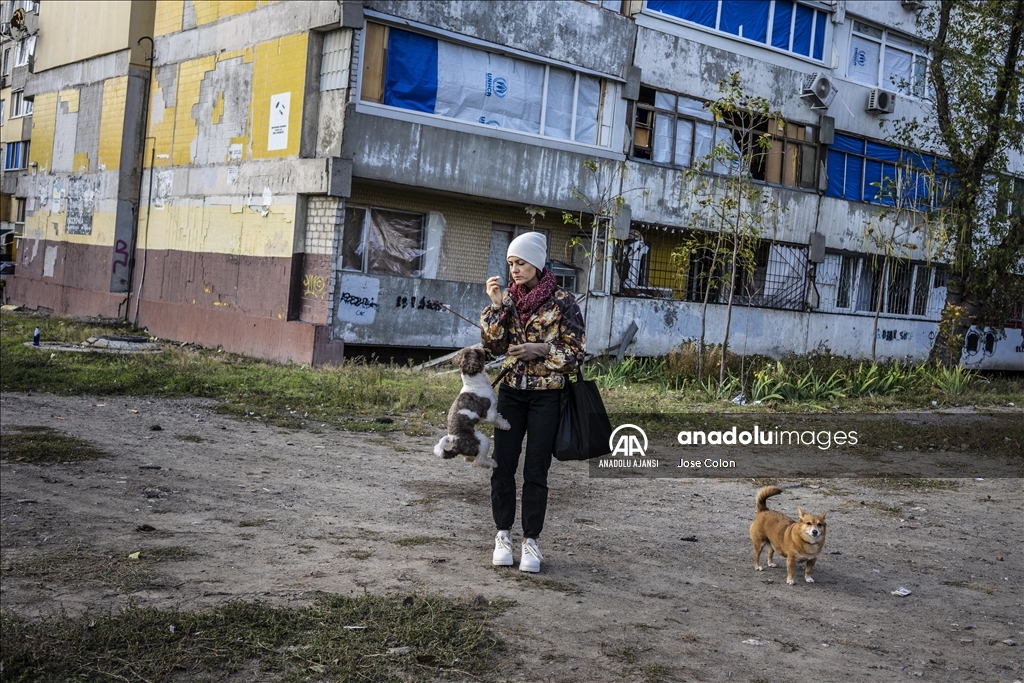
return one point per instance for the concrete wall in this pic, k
(564, 30)
(237, 229)
(83, 193)
(665, 324)
(112, 26)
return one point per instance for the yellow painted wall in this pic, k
(112, 122)
(168, 17)
(188, 225)
(41, 225)
(186, 128)
(74, 31)
(280, 67)
(170, 14)
(209, 11)
(44, 118)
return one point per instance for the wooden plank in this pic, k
(374, 57)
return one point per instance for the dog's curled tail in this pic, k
(763, 494)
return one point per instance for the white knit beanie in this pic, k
(531, 247)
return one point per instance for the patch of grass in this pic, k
(358, 554)
(354, 394)
(40, 445)
(656, 673)
(115, 569)
(525, 579)
(911, 483)
(191, 438)
(409, 541)
(883, 507)
(253, 522)
(626, 654)
(293, 644)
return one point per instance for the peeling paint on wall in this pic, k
(81, 202)
(49, 261)
(222, 111)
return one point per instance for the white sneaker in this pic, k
(502, 556)
(530, 559)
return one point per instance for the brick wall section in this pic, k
(324, 220)
(467, 237)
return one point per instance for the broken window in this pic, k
(382, 241)
(671, 129)
(676, 130)
(420, 73)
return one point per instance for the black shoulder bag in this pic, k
(584, 428)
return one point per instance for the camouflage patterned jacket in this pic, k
(558, 322)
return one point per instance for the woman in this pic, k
(539, 325)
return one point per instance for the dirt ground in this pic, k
(642, 580)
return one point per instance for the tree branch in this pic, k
(997, 107)
(940, 53)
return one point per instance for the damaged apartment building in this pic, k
(301, 180)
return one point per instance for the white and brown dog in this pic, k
(474, 403)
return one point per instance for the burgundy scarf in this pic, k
(527, 301)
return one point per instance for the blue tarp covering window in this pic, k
(882, 152)
(782, 23)
(819, 35)
(845, 143)
(854, 178)
(703, 12)
(836, 171)
(411, 81)
(802, 30)
(748, 19)
(858, 170)
(875, 189)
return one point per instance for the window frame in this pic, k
(364, 263)
(787, 141)
(20, 106)
(916, 50)
(23, 51)
(916, 294)
(17, 151)
(610, 87)
(903, 163)
(829, 30)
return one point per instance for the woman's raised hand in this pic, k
(494, 290)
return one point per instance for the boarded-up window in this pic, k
(382, 241)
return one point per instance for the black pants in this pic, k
(533, 414)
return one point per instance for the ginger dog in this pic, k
(794, 540)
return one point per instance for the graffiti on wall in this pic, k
(120, 256)
(357, 299)
(894, 335)
(314, 286)
(81, 201)
(423, 304)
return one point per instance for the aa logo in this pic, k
(628, 444)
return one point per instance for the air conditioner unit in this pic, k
(881, 101)
(818, 88)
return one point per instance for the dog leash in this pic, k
(507, 369)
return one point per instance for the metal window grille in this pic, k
(654, 263)
(852, 283)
